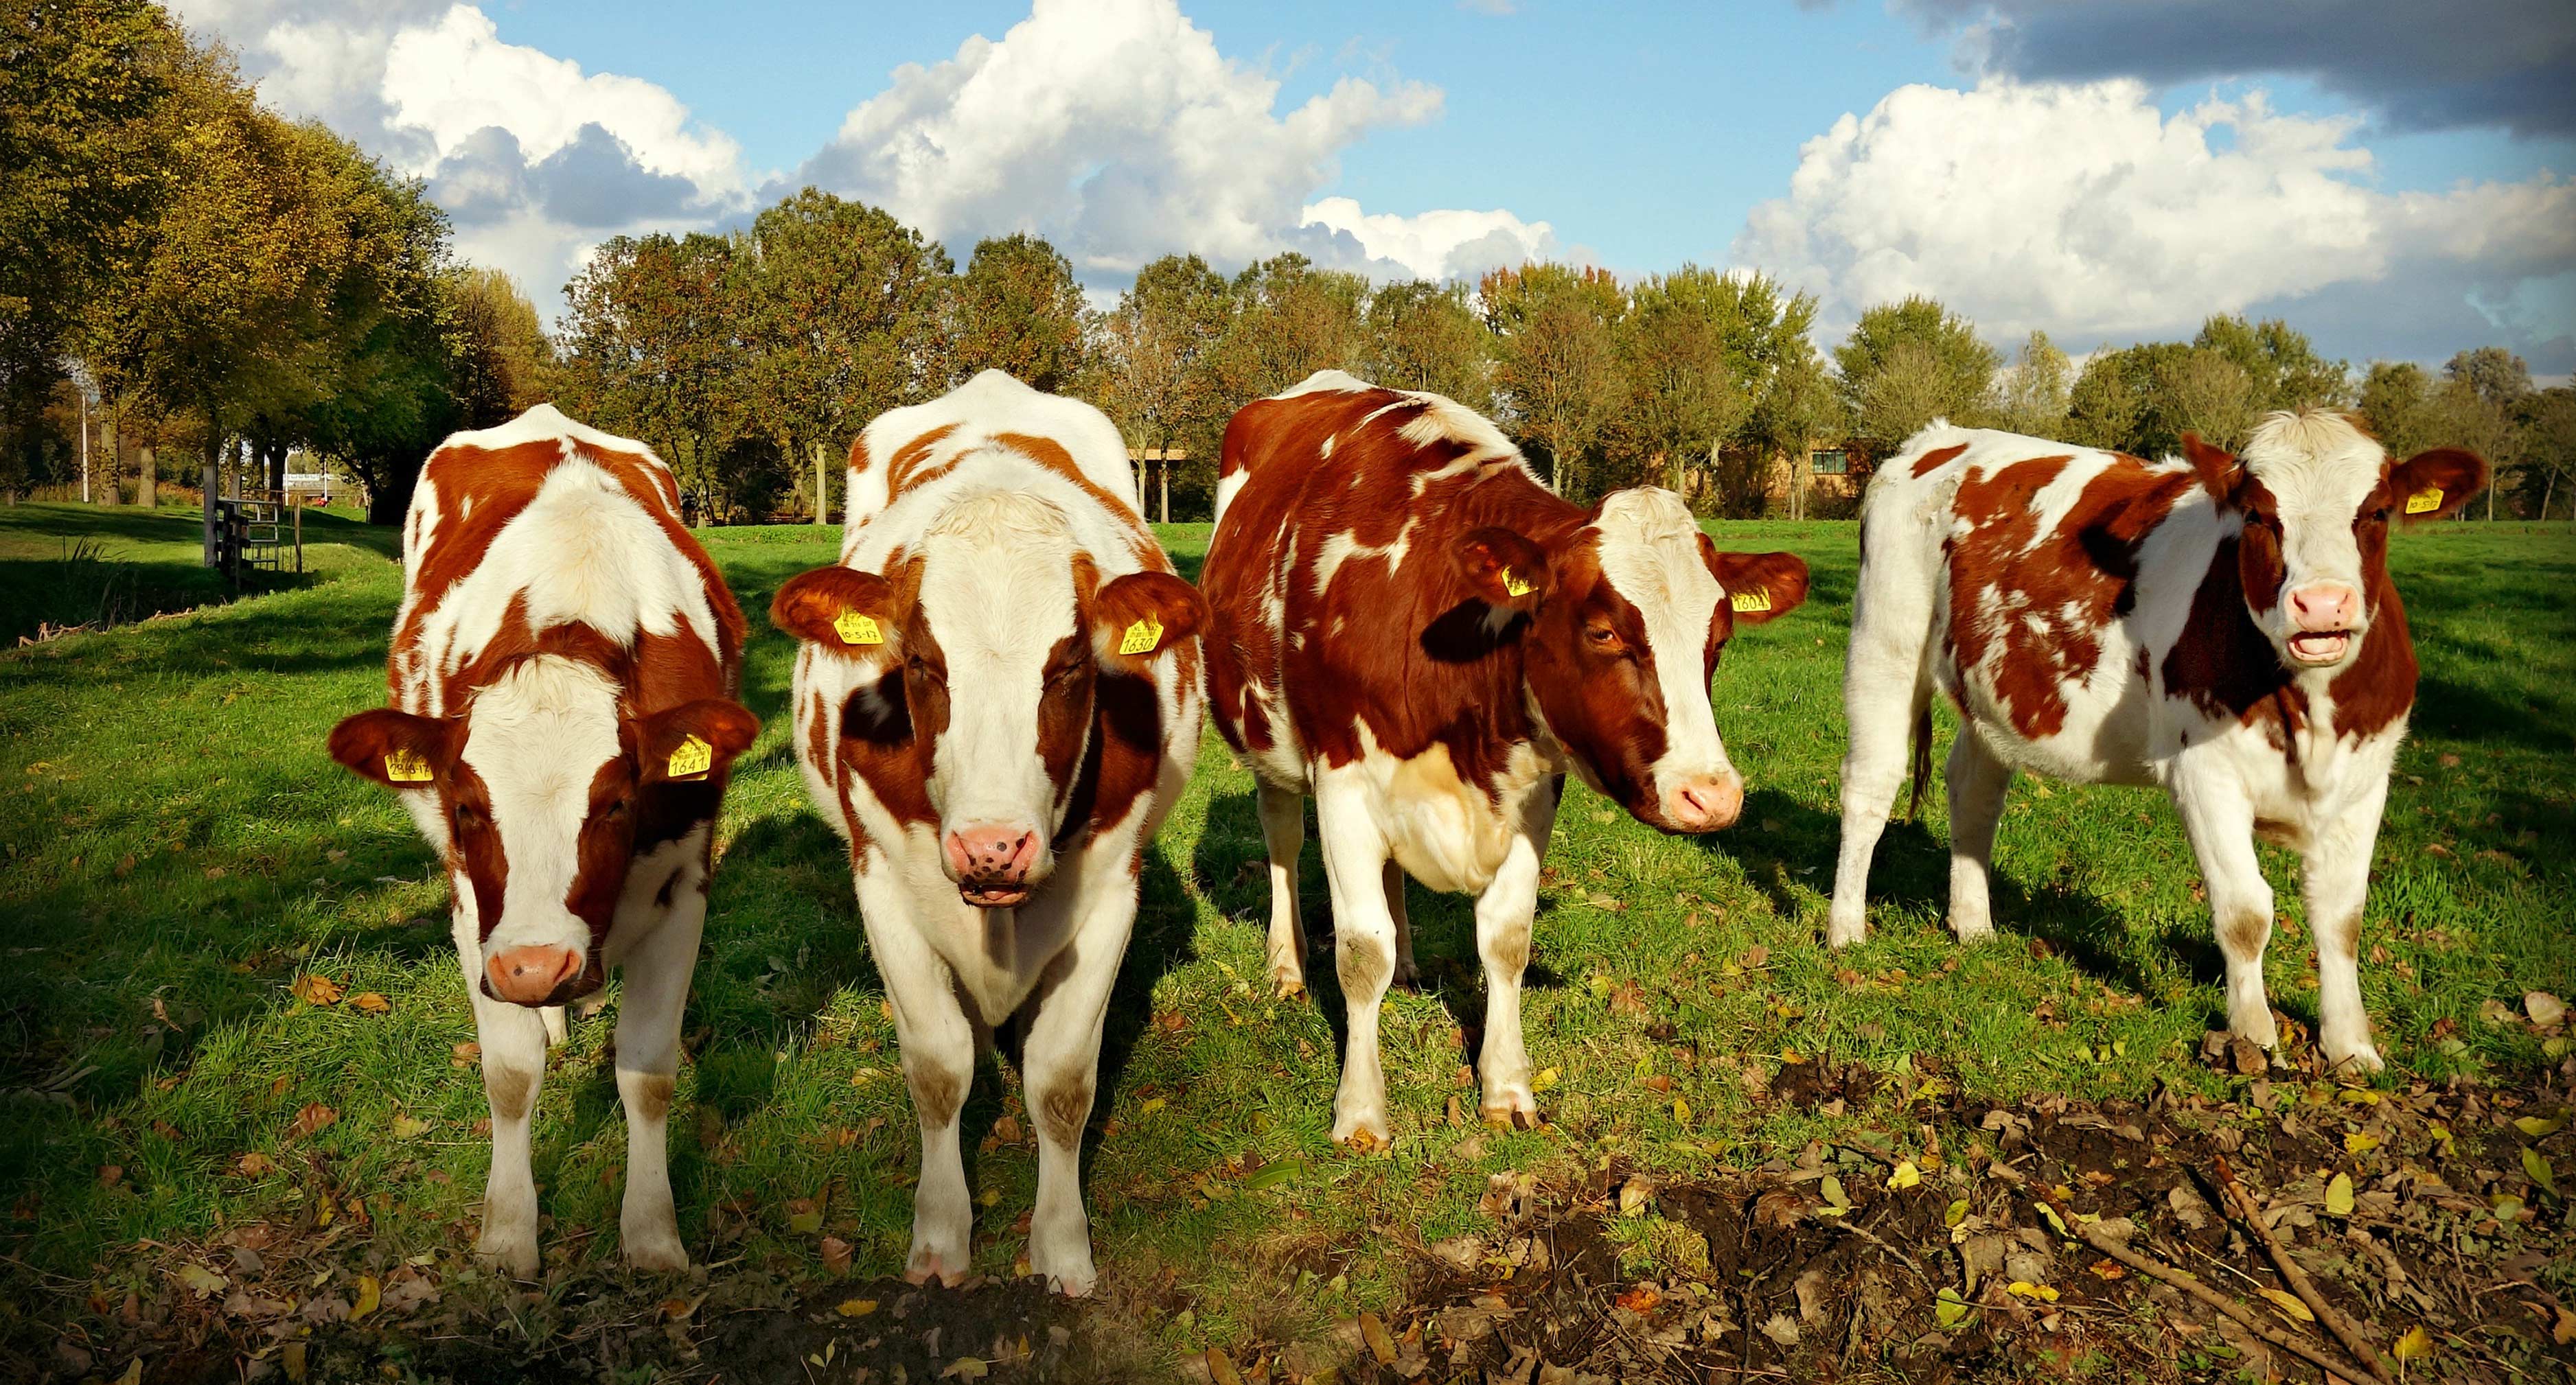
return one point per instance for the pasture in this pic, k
(240, 1116)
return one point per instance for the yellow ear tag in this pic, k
(2425, 501)
(854, 628)
(406, 767)
(692, 759)
(1141, 637)
(1749, 601)
(1513, 586)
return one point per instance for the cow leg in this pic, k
(938, 1047)
(1059, 1068)
(557, 1029)
(1405, 972)
(513, 1038)
(2336, 879)
(1283, 833)
(1503, 918)
(1355, 858)
(1873, 769)
(656, 971)
(2219, 819)
(1978, 782)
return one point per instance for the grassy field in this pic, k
(181, 855)
(66, 565)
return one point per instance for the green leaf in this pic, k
(2537, 1165)
(2539, 1129)
(1273, 1174)
(1948, 1309)
(1958, 1213)
(2055, 1220)
(1832, 1188)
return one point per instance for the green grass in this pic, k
(179, 850)
(74, 565)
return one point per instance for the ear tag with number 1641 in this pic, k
(692, 759)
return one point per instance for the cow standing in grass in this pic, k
(1409, 627)
(564, 669)
(997, 700)
(2222, 626)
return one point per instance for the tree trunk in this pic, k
(822, 487)
(1163, 470)
(211, 479)
(277, 467)
(2548, 488)
(109, 472)
(147, 482)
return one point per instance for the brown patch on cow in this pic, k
(904, 470)
(1510, 949)
(1936, 459)
(1363, 967)
(1063, 1109)
(2243, 932)
(2223, 664)
(511, 1091)
(1052, 455)
(2056, 592)
(936, 1094)
(653, 1095)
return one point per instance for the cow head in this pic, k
(1002, 629)
(1627, 618)
(2316, 495)
(536, 788)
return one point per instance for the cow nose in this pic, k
(993, 853)
(1705, 805)
(2326, 606)
(528, 975)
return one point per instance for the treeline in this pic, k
(202, 274)
(183, 272)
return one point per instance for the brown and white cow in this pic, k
(997, 700)
(564, 669)
(2222, 626)
(1409, 627)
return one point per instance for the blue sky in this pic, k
(2035, 164)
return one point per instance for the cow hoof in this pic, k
(1362, 1135)
(1846, 935)
(929, 1267)
(1982, 931)
(1289, 983)
(1069, 1275)
(519, 1260)
(1406, 973)
(2358, 1059)
(1517, 1112)
(657, 1254)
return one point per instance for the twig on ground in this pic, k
(2298, 1280)
(2192, 1285)
(1881, 1242)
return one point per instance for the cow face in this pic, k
(2316, 495)
(1002, 630)
(1626, 622)
(536, 791)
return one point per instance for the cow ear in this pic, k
(1759, 586)
(391, 747)
(2216, 467)
(2434, 485)
(838, 609)
(1505, 569)
(1136, 617)
(693, 741)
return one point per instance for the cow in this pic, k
(2222, 626)
(564, 670)
(1408, 626)
(997, 700)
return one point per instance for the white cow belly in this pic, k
(1445, 832)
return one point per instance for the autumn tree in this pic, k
(654, 350)
(503, 362)
(1683, 395)
(2281, 366)
(1018, 309)
(1290, 320)
(2208, 394)
(2549, 444)
(1424, 336)
(1556, 363)
(1908, 363)
(2119, 400)
(2036, 392)
(1155, 368)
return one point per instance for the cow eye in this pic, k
(1604, 639)
(615, 810)
(1063, 672)
(922, 668)
(469, 815)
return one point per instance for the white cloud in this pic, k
(1116, 129)
(1438, 244)
(534, 159)
(2083, 210)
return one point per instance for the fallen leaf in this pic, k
(678, 1309)
(465, 1053)
(966, 1368)
(2360, 1142)
(1640, 1300)
(2023, 1288)
(856, 1307)
(1380, 1344)
(836, 1255)
(199, 1280)
(109, 1175)
(313, 988)
(1547, 1077)
(405, 1127)
(2537, 1128)
(1905, 1176)
(1634, 1195)
(370, 1297)
(2339, 1196)
(1958, 1213)
(2564, 1334)
(292, 1357)
(2545, 1009)
(1948, 1309)
(314, 1116)
(2287, 1302)
(253, 1164)
(1221, 1369)
(2414, 1346)
(1832, 1188)
(2536, 1164)
(370, 1002)
(1150, 1105)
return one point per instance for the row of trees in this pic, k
(196, 273)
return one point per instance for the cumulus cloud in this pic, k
(2081, 209)
(2422, 66)
(534, 159)
(1436, 244)
(1116, 129)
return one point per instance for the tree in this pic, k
(2209, 395)
(2119, 400)
(1290, 320)
(1908, 363)
(1424, 336)
(2392, 402)
(503, 363)
(1556, 370)
(2034, 395)
(1019, 310)
(2549, 443)
(840, 303)
(2466, 411)
(1156, 366)
(655, 351)
(1798, 408)
(2281, 366)
(1696, 349)
(2497, 376)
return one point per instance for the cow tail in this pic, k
(1922, 759)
